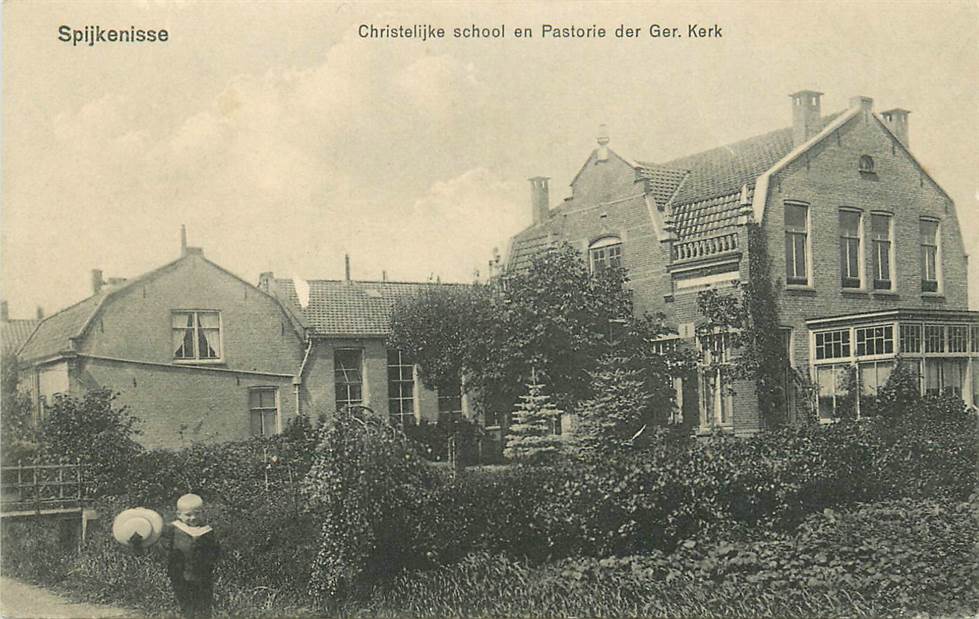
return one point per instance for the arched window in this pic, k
(604, 253)
(867, 164)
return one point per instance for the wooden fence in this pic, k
(40, 489)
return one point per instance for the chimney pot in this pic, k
(97, 281)
(346, 265)
(805, 115)
(897, 121)
(183, 240)
(539, 199)
(4, 311)
(265, 280)
(603, 140)
(40, 312)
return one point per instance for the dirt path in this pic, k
(22, 601)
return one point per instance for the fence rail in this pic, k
(42, 487)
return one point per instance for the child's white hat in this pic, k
(146, 522)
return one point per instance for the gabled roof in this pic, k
(13, 333)
(351, 308)
(53, 335)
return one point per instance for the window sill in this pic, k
(854, 292)
(198, 361)
(891, 294)
(800, 289)
(938, 296)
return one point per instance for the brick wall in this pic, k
(827, 179)
(178, 405)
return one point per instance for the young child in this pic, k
(193, 550)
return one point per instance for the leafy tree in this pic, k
(556, 317)
(18, 438)
(93, 431)
(618, 410)
(531, 436)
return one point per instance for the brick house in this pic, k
(196, 352)
(199, 354)
(346, 359)
(864, 244)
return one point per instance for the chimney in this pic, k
(265, 281)
(346, 266)
(116, 281)
(183, 240)
(97, 281)
(40, 312)
(897, 122)
(539, 199)
(384, 276)
(4, 311)
(602, 139)
(805, 115)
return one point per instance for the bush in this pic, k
(93, 431)
(368, 489)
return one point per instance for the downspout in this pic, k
(297, 381)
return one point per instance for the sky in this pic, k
(283, 140)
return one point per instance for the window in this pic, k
(911, 338)
(605, 253)
(944, 375)
(975, 341)
(196, 335)
(958, 338)
(930, 262)
(833, 344)
(874, 375)
(796, 244)
(851, 257)
(348, 377)
(880, 229)
(875, 341)
(934, 338)
(450, 401)
(833, 382)
(718, 399)
(866, 165)
(264, 410)
(401, 389)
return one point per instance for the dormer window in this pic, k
(604, 253)
(867, 165)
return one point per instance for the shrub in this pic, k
(366, 488)
(93, 431)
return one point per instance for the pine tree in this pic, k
(618, 410)
(530, 437)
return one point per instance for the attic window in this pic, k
(867, 165)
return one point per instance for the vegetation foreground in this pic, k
(871, 517)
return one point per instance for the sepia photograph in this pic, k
(489, 309)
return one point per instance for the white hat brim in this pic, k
(146, 522)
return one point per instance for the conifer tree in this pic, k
(530, 437)
(618, 410)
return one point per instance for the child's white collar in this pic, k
(191, 531)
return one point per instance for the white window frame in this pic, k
(891, 265)
(252, 410)
(336, 384)
(197, 355)
(716, 370)
(845, 248)
(939, 285)
(808, 246)
(920, 357)
(396, 412)
(597, 261)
